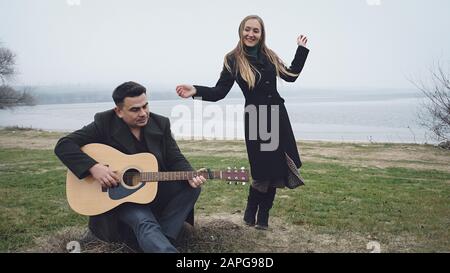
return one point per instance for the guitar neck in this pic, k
(172, 176)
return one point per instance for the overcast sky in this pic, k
(353, 43)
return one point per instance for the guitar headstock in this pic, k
(236, 176)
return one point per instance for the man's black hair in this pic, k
(127, 89)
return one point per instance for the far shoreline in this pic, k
(188, 139)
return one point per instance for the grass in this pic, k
(380, 204)
(350, 198)
(32, 194)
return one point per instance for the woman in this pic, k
(255, 68)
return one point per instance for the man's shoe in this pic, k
(250, 224)
(261, 227)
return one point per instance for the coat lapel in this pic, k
(122, 135)
(153, 134)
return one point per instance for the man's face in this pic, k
(134, 111)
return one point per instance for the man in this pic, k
(131, 129)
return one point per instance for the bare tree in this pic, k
(437, 105)
(10, 97)
(7, 64)
(26, 97)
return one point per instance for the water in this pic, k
(320, 115)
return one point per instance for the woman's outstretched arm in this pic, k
(299, 60)
(218, 92)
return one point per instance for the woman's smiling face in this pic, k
(251, 33)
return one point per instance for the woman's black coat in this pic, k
(264, 164)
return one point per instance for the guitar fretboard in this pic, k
(171, 176)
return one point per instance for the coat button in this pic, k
(269, 96)
(267, 82)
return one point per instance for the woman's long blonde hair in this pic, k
(242, 65)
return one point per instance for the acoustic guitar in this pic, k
(138, 180)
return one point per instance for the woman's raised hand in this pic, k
(302, 40)
(186, 91)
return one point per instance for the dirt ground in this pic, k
(421, 157)
(225, 233)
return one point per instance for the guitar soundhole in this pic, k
(132, 177)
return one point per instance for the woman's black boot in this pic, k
(252, 207)
(266, 203)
